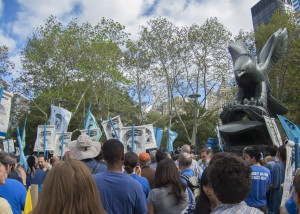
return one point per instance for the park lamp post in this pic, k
(195, 96)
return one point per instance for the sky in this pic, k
(19, 18)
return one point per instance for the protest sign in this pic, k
(60, 118)
(58, 143)
(95, 133)
(273, 131)
(158, 133)
(8, 146)
(150, 137)
(5, 106)
(108, 128)
(50, 139)
(139, 139)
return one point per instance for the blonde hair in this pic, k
(69, 188)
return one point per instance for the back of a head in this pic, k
(32, 161)
(167, 174)
(160, 155)
(272, 150)
(253, 152)
(130, 162)
(282, 153)
(230, 177)
(42, 156)
(186, 148)
(297, 184)
(113, 150)
(185, 160)
(69, 187)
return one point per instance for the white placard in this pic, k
(273, 131)
(95, 134)
(8, 146)
(139, 139)
(58, 141)
(108, 129)
(60, 118)
(5, 106)
(150, 137)
(50, 139)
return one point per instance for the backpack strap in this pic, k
(185, 177)
(95, 167)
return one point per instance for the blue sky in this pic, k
(19, 18)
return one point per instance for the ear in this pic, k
(122, 157)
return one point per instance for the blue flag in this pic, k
(24, 135)
(158, 133)
(292, 131)
(22, 156)
(92, 126)
(172, 136)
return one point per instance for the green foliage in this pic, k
(285, 76)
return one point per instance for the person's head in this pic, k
(297, 188)
(69, 187)
(167, 174)
(227, 172)
(42, 161)
(5, 162)
(206, 196)
(144, 159)
(281, 153)
(184, 161)
(206, 155)
(160, 155)
(68, 156)
(186, 148)
(54, 160)
(252, 155)
(131, 162)
(272, 150)
(113, 152)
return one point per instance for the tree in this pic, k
(188, 60)
(5, 63)
(285, 77)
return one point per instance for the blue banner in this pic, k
(292, 131)
(172, 136)
(158, 133)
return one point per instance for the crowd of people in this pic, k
(94, 178)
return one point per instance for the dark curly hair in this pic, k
(229, 177)
(131, 161)
(167, 174)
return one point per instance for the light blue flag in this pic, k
(24, 135)
(292, 131)
(22, 156)
(158, 133)
(91, 123)
(172, 136)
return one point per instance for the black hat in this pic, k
(6, 158)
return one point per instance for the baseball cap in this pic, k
(6, 158)
(143, 156)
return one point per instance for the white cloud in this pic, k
(7, 41)
(1, 7)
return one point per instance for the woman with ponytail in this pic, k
(34, 175)
(132, 168)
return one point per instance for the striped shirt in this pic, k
(240, 208)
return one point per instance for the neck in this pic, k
(116, 167)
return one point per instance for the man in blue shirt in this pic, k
(119, 192)
(261, 179)
(184, 165)
(10, 189)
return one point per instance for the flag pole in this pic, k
(8, 146)
(132, 143)
(45, 139)
(1, 93)
(113, 128)
(62, 145)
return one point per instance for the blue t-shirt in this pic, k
(144, 182)
(120, 193)
(261, 178)
(15, 193)
(278, 173)
(290, 205)
(38, 178)
(100, 167)
(90, 162)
